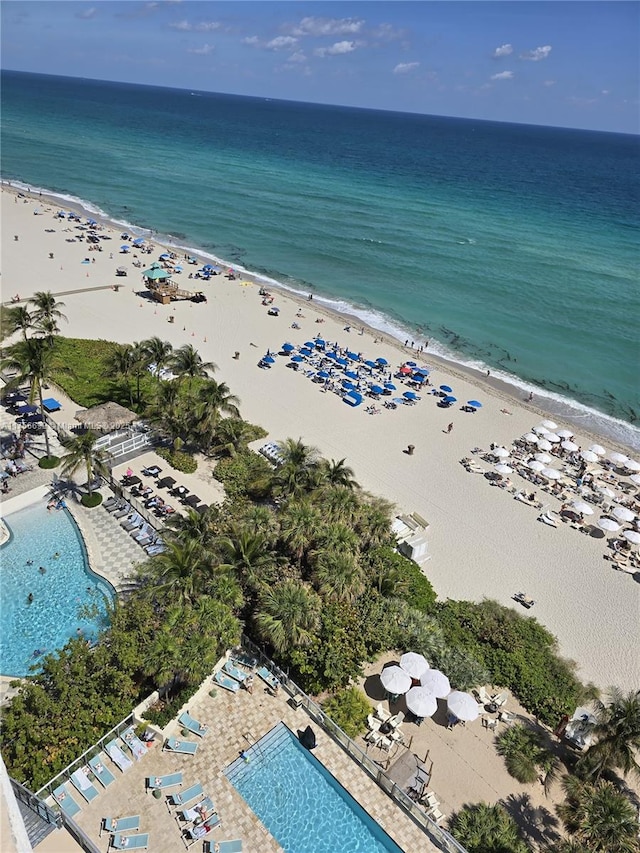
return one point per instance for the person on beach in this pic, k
(449, 428)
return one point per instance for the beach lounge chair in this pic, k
(98, 765)
(396, 719)
(83, 785)
(119, 841)
(186, 720)
(133, 742)
(268, 677)
(117, 755)
(115, 505)
(524, 599)
(549, 518)
(181, 798)
(235, 672)
(160, 782)
(120, 513)
(198, 813)
(435, 814)
(196, 833)
(111, 502)
(225, 681)
(243, 658)
(382, 713)
(134, 523)
(500, 699)
(120, 824)
(482, 695)
(234, 846)
(185, 747)
(66, 802)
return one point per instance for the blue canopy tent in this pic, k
(353, 398)
(165, 256)
(91, 222)
(51, 404)
(28, 410)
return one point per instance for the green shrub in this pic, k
(164, 711)
(48, 462)
(247, 473)
(348, 709)
(481, 828)
(94, 499)
(178, 460)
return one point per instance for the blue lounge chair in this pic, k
(98, 765)
(172, 744)
(181, 798)
(130, 842)
(83, 785)
(195, 813)
(268, 677)
(235, 672)
(120, 824)
(66, 802)
(116, 754)
(133, 742)
(196, 833)
(161, 782)
(224, 847)
(224, 681)
(186, 720)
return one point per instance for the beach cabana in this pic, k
(353, 398)
(106, 417)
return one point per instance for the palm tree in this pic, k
(178, 571)
(337, 474)
(248, 554)
(16, 319)
(120, 363)
(300, 522)
(187, 361)
(162, 658)
(298, 468)
(599, 816)
(167, 410)
(339, 576)
(157, 352)
(194, 526)
(374, 523)
(481, 828)
(83, 453)
(213, 398)
(46, 307)
(47, 328)
(31, 359)
(338, 504)
(232, 435)
(288, 614)
(617, 735)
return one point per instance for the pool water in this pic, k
(30, 629)
(301, 804)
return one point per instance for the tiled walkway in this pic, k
(235, 720)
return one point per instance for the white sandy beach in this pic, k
(483, 542)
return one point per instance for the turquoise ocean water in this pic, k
(508, 246)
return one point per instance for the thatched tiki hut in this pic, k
(107, 417)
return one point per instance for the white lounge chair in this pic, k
(381, 713)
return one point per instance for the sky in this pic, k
(567, 64)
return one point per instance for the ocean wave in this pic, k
(580, 415)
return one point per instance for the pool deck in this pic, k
(234, 721)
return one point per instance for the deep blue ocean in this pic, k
(510, 246)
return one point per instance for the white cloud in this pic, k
(298, 56)
(251, 40)
(503, 50)
(201, 27)
(337, 49)
(605, 92)
(549, 83)
(328, 27)
(537, 54)
(405, 67)
(205, 50)
(281, 42)
(87, 14)
(503, 75)
(386, 32)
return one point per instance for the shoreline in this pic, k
(509, 387)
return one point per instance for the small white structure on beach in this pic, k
(579, 730)
(410, 532)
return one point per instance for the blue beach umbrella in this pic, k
(422, 370)
(323, 374)
(177, 269)
(446, 389)
(382, 361)
(305, 351)
(342, 362)
(371, 364)
(418, 377)
(28, 410)
(410, 395)
(320, 343)
(376, 389)
(269, 359)
(348, 385)
(288, 347)
(91, 222)
(165, 256)
(411, 363)
(450, 399)
(474, 404)
(138, 241)
(351, 374)
(310, 344)
(124, 249)
(330, 355)
(297, 359)
(390, 386)
(208, 267)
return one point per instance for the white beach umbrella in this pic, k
(541, 430)
(589, 456)
(606, 491)
(421, 702)
(530, 438)
(553, 437)
(395, 680)
(550, 424)
(632, 536)
(543, 457)
(598, 449)
(632, 465)
(565, 433)
(501, 468)
(463, 706)
(623, 514)
(569, 445)
(608, 524)
(414, 664)
(551, 473)
(501, 452)
(582, 507)
(618, 458)
(543, 444)
(635, 478)
(437, 682)
(536, 465)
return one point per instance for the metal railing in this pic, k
(438, 836)
(121, 446)
(36, 805)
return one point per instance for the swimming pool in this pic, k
(60, 592)
(299, 801)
